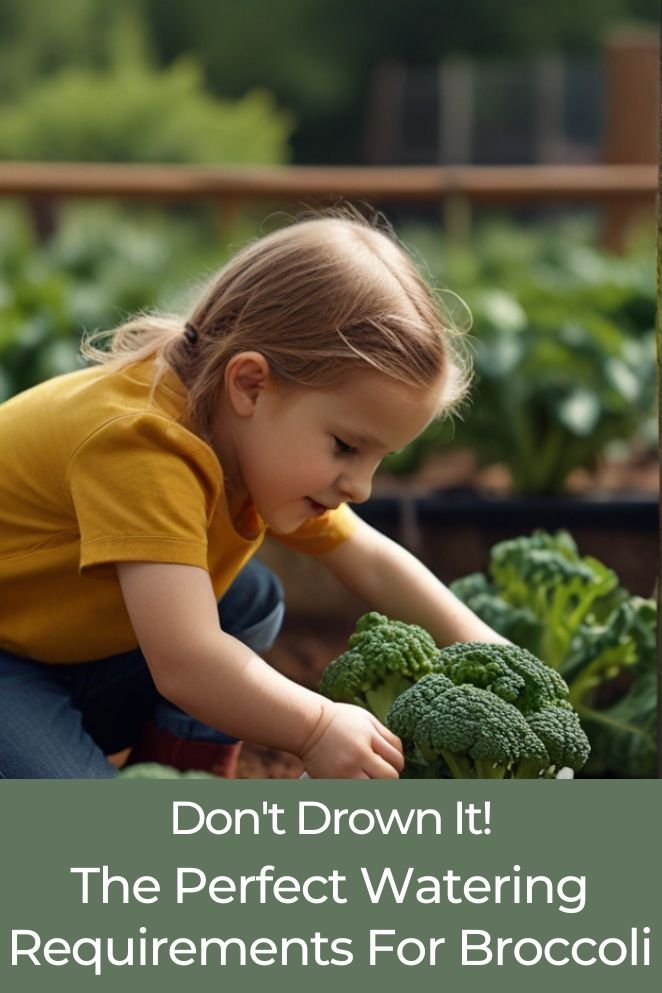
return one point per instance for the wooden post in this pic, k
(455, 140)
(550, 143)
(382, 140)
(632, 111)
(43, 214)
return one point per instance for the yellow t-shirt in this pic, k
(95, 472)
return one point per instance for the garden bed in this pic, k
(611, 512)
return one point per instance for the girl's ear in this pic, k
(246, 376)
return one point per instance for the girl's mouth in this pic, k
(317, 508)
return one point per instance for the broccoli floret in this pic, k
(476, 733)
(474, 710)
(512, 673)
(154, 770)
(489, 711)
(383, 658)
(546, 574)
(562, 735)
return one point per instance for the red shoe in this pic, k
(157, 745)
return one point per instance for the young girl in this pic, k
(135, 492)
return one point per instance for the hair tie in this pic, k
(190, 333)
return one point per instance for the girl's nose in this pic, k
(356, 487)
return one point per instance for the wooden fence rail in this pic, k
(423, 184)
(623, 190)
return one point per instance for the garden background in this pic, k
(241, 99)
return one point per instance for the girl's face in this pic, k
(302, 452)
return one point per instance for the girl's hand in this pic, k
(349, 743)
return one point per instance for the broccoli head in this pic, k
(473, 733)
(561, 733)
(510, 672)
(383, 658)
(545, 574)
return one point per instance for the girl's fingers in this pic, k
(388, 745)
(378, 768)
(388, 752)
(385, 733)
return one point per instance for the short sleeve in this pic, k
(143, 489)
(321, 534)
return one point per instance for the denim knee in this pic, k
(253, 608)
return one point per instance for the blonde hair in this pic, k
(319, 299)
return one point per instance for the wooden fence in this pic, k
(43, 183)
(624, 186)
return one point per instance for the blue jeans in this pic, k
(60, 721)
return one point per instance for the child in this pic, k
(135, 492)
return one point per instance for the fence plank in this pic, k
(484, 184)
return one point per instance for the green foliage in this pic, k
(572, 612)
(555, 393)
(37, 39)
(138, 114)
(563, 340)
(96, 271)
(317, 58)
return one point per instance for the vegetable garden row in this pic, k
(564, 351)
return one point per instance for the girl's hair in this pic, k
(321, 299)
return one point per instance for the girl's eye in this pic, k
(343, 448)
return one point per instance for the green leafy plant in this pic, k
(571, 611)
(98, 268)
(563, 352)
(556, 385)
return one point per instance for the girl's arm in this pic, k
(220, 681)
(393, 581)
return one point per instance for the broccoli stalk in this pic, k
(378, 699)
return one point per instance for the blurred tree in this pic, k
(142, 115)
(316, 56)
(130, 110)
(37, 39)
